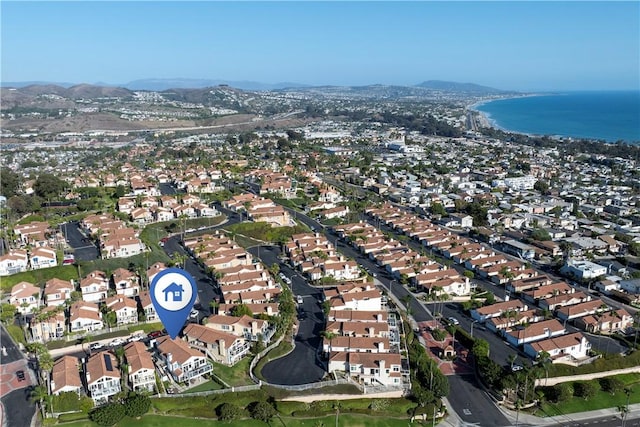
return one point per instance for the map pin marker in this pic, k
(173, 292)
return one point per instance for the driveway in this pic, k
(207, 289)
(303, 365)
(83, 247)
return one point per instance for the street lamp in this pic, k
(473, 323)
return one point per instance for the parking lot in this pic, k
(83, 247)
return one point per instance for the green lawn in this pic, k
(16, 333)
(209, 385)
(39, 277)
(235, 375)
(601, 400)
(344, 420)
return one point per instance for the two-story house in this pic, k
(49, 325)
(369, 368)
(102, 377)
(141, 371)
(25, 297)
(126, 309)
(125, 282)
(65, 376)
(85, 316)
(183, 362)
(95, 286)
(57, 291)
(222, 347)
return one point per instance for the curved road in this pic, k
(303, 365)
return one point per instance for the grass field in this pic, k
(343, 421)
(209, 385)
(39, 277)
(601, 400)
(235, 375)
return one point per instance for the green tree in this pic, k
(542, 187)
(540, 235)
(10, 182)
(136, 405)
(562, 392)
(229, 412)
(7, 312)
(107, 415)
(49, 186)
(262, 411)
(480, 348)
(586, 389)
(241, 310)
(39, 394)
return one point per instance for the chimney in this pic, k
(88, 376)
(222, 348)
(379, 317)
(169, 358)
(372, 331)
(382, 365)
(381, 347)
(269, 310)
(53, 385)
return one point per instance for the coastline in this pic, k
(484, 119)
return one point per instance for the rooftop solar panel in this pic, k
(107, 362)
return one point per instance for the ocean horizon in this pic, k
(609, 116)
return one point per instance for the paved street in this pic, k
(17, 409)
(83, 247)
(472, 404)
(303, 365)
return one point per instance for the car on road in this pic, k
(194, 314)
(453, 321)
(516, 368)
(116, 342)
(299, 299)
(20, 375)
(96, 346)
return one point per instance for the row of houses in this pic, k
(259, 209)
(164, 208)
(361, 338)
(117, 239)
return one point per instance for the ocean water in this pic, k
(608, 116)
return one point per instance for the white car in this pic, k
(453, 321)
(299, 299)
(194, 314)
(95, 346)
(116, 342)
(134, 338)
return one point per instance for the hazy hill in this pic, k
(457, 87)
(165, 84)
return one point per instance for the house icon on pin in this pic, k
(175, 291)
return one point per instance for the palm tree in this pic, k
(38, 395)
(214, 305)
(328, 335)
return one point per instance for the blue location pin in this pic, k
(173, 292)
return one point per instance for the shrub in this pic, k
(262, 411)
(107, 415)
(611, 385)
(137, 405)
(229, 412)
(585, 390)
(562, 392)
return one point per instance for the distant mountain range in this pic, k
(164, 84)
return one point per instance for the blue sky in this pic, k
(507, 45)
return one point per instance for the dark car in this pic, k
(155, 334)
(20, 375)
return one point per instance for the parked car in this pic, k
(134, 338)
(516, 368)
(116, 342)
(96, 346)
(194, 314)
(155, 334)
(299, 299)
(453, 321)
(20, 375)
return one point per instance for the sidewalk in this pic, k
(612, 413)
